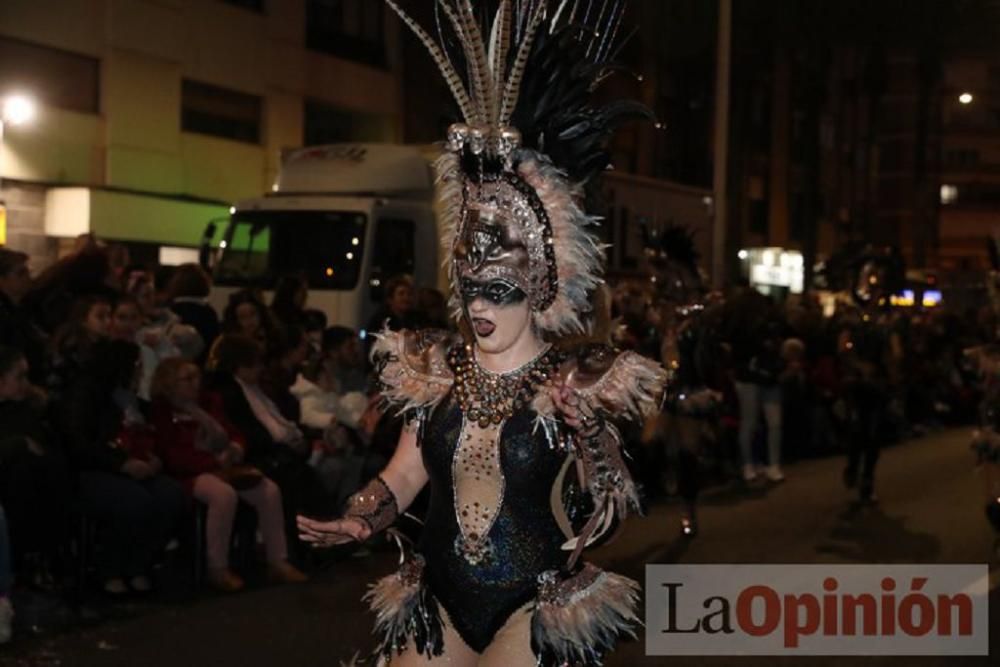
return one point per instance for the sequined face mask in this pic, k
(496, 292)
(504, 242)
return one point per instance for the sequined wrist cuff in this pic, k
(592, 430)
(600, 450)
(375, 505)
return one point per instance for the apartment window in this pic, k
(351, 29)
(325, 124)
(255, 5)
(220, 112)
(56, 78)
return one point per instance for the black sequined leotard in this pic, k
(525, 538)
(498, 533)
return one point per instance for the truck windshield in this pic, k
(262, 246)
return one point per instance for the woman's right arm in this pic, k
(376, 506)
(405, 474)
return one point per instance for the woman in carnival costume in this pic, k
(503, 422)
(693, 354)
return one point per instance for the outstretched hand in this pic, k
(331, 533)
(576, 411)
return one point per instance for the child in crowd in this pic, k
(205, 453)
(73, 342)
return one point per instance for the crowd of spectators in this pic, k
(132, 410)
(798, 382)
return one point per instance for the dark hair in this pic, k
(230, 323)
(112, 363)
(283, 304)
(334, 337)
(290, 338)
(8, 357)
(83, 272)
(10, 260)
(314, 368)
(233, 351)
(313, 320)
(72, 333)
(189, 280)
(162, 275)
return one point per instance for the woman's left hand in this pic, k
(576, 411)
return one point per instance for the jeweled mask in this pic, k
(505, 234)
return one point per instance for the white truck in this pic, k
(350, 216)
(347, 216)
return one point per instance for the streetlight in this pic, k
(965, 98)
(18, 109)
(15, 109)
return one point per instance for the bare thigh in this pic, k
(456, 652)
(511, 646)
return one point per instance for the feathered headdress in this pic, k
(512, 175)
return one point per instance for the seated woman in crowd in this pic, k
(121, 480)
(274, 444)
(187, 294)
(246, 315)
(161, 334)
(207, 456)
(282, 369)
(72, 344)
(35, 482)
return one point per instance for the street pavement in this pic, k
(930, 511)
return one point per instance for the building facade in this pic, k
(970, 174)
(156, 115)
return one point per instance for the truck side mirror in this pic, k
(205, 246)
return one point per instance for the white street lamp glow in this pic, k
(965, 98)
(17, 109)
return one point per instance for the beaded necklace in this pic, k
(490, 398)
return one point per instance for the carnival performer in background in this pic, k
(865, 346)
(502, 421)
(693, 355)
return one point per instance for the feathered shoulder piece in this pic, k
(413, 367)
(623, 384)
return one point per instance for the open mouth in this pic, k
(483, 327)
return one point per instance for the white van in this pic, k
(347, 216)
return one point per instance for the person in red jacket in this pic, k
(203, 451)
